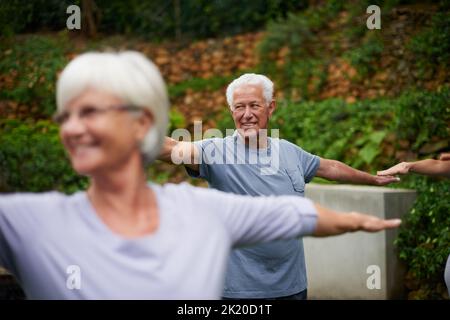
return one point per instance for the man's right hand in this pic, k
(180, 152)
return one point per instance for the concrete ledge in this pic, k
(341, 267)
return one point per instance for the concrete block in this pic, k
(349, 266)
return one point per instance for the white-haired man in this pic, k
(276, 269)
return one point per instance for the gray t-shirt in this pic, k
(58, 247)
(266, 270)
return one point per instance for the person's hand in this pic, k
(382, 180)
(444, 156)
(370, 223)
(401, 168)
(331, 223)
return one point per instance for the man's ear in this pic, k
(272, 107)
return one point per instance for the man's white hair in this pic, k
(128, 75)
(252, 79)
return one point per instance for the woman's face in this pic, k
(99, 133)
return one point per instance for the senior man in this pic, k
(249, 162)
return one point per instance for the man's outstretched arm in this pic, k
(180, 152)
(338, 171)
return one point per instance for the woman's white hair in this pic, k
(128, 75)
(252, 79)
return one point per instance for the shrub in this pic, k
(32, 64)
(154, 20)
(198, 84)
(363, 57)
(422, 116)
(424, 238)
(32, 159)
(431, 47)
(334, 129)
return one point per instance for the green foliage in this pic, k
(198, 84)
(297, 66)
(371, 146)
(18, 16)
(152, 19)
(32, 159)
(363, 57)
(307, 76)
(176, 120)
(156, 175)
(291, 32)
(421, 115)
(288, 43)
(14, 15)
(431, 47)
(424, 238)
(335, 129)
(33, 63)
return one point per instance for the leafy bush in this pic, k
(199, 84)
(288, 51)
(176, 120)
(424, 238)
(18, 16)
(32, 64)
(431, 47)
(363, 57)
(32, 159)
(421, 116)
(335, 129)
(14, 16)
(149, 19)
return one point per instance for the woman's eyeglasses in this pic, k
(89, 113)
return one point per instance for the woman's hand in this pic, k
(331, 223)
(401, 168)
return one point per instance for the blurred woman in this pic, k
(125, 238)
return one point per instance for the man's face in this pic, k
(250, 111)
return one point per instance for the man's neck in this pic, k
(258, 141)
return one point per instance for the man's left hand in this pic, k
(384, 180)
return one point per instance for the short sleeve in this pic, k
(309, 162)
